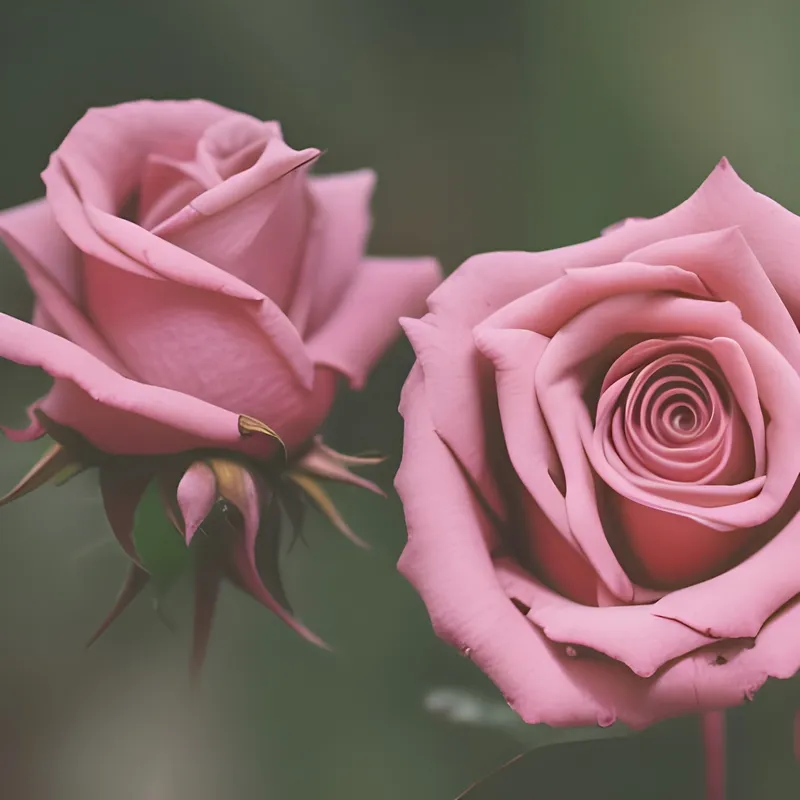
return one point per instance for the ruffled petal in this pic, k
(629, 634)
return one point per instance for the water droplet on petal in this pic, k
(465, 651)
(571, 651)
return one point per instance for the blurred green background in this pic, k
(506, 125)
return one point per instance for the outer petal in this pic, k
(116, 414)
(56, 287)
(630, 634)
(460, 400)
(366, 321)
(488, 282)
(201, 344)
(104, 154)
(31, 233)
(336, 245)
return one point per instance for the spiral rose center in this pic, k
(668, 415)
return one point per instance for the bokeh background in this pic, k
(506, 125)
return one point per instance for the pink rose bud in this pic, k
(197, 291)
(602, 448)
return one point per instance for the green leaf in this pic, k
(160, 547)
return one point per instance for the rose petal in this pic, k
(547, 310)
(474, 291)
(366, 322)
(336, 245)
(105, 152)
(716, 257)
(31, 233)
(115, 413)
(201, 344)
(514, 354)
(736, 603)
(460, 400)
(56, 287)
(630, 634)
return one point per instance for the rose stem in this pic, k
(713, 725)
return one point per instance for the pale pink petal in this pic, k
(31, 233)
(196, 495)
(102, 159)
(42, 319)
(202, 344)
(725, 263)
(736, 603)
(366, 322)
(336, 246)
(260, 239)
(253, 224)
(105, 152)
(486, 283)
(547, 310)
(60, 303)
(630, 634)
(460, 401)
(115, 413)
(514, 355)
(166, 187)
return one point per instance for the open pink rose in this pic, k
(187, 270)
(197, 297)
(601, 458)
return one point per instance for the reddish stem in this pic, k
(713, 725)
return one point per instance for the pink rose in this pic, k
(601, 454)
(188, 270)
